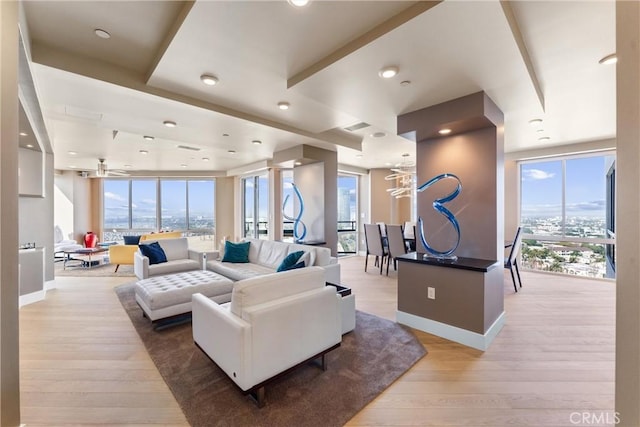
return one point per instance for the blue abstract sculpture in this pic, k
(296, 220)
(438, 206)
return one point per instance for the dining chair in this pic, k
(397, 247)
(383, 233)
(511, 262)
(409, 231)
(373, 240)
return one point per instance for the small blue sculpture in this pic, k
(296, 221)
(438, 205)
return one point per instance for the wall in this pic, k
(511, 198)
(380, 210)
(84, 208)
(9, 321)
(225, 208)
(36, 218)
(30, 172)
(63, 201)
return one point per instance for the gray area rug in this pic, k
(370, 358)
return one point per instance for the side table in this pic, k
(348, 307)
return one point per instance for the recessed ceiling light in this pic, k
(378, 134)
(170, 124)
(359, 156)
(298, 3)
(225, 134)
(544, 138)
(231, 151)
(387, 164)
(143, 152)
(72, 153)
(406, 155)
(183, 165)
(405, 83)
(72, 166)
(535, 122)
(103, 34)
(539, 130)
(444, 131)
(209, 79)
(609, 59)
(29, 145)
(23, 134)
(149, 138)
(283, 105)
(127, 166)
(297, 163)
(205, 159)
(256, 142)
(388, 72)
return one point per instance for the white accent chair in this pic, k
(273, 323)
(60, 244)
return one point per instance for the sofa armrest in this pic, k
(332, 273)
(140, 265)
(211, 255)
(224, 337)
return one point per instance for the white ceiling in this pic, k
(149, 72)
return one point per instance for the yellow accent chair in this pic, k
(123, 254)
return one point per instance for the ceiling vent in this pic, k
(357, 126)
(186, 147)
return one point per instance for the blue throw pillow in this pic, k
(236, 252)
(131, 240)
(290, 260)
(293, 267)
(154, 252)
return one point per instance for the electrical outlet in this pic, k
(431, 293)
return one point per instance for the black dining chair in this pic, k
(373, 240)
(511, 262)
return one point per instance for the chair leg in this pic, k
(381, 263)
(515, 263)
(117, 265)
(513, 278)
(388, 262)
(366, 260)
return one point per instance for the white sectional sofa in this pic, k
(266, 255)
(179, 258)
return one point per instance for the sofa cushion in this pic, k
(272, 253)
(238, 271)
(236, 252)
(290, 260)
(131, 240)
(154, 252)
(174, 266)
(175, 249)
(258, 290)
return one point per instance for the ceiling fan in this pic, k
(103, 171)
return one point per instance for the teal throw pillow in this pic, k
(154, 252)
(290, 260)
(293, 267)
(236, 252)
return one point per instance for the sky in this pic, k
(541, 187)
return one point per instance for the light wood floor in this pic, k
(82, 362)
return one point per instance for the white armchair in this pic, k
(274, 323)
(60, 244)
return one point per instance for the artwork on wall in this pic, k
(299, 228)
(438, 205)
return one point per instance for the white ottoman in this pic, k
(161, 297)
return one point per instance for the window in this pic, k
(116, 211)
(564, 209)
(173, 195)
(138, 206)
(288, 210)
(347, 214)
(255, 196)
(143, 204)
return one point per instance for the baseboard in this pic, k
(453, 333)
(50, 284)
(31, 298)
